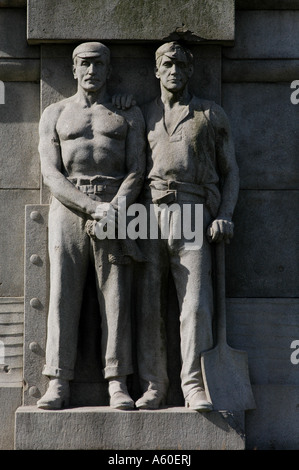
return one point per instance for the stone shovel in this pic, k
(224, 369)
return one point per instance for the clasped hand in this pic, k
(105, 210)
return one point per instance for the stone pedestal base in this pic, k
(99, 428)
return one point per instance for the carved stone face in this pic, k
(91, 72)
(174, 71)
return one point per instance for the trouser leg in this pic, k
(192, 273)
(152, 278)
(69, 257)
(114, 295)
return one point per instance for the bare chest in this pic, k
(91, 124)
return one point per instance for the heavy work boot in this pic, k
(57, 396)
(197, 400)
(152, 399)
(119, 396)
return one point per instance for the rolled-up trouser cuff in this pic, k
(110, 372)
(64, 374)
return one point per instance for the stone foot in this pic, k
(57, 395)
(119, 396)
(198, 401)
(150, 400)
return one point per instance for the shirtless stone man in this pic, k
(190, 160)
(91, 154)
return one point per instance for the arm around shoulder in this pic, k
(135, 157)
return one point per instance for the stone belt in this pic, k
(97, 185)
(166, 191)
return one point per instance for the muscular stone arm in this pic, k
(52, 165)
(222, 227)
(135, 158)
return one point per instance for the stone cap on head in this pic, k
(173, 49)
(91, 49)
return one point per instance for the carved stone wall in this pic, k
(263, 261)
(19, 185)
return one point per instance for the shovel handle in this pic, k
(220, 292)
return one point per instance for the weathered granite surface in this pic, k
(90, 428)
(196, 20)
(19, 158)
(254, 28)
(267, 5)
(10, 400)
(15, 20)
(12, 250)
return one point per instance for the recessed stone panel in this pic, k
(12, 216)
(265, 329)
(274, 423)
(265, 127)
(260, 71)
(263, 259)
(132, 72)
(10, 399)
(267, 5)
(19, 70)
(13, 41)
(265, 35)
(19, 117)
(13, 3)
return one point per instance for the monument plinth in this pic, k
(100, 428)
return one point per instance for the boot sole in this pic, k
(200, 408)
(122, 407)
(48, 406)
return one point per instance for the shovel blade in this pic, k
(226, 379)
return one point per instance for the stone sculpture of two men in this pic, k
(177, 149)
